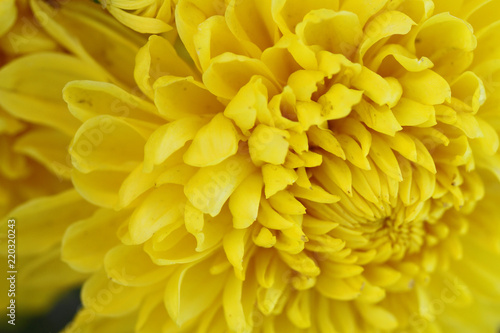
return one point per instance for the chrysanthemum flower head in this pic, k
(313, 167)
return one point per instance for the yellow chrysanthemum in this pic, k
(319, 166)
(316, 172)
(36, 129)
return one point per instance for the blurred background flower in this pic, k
(36, 129)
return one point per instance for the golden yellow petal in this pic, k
(245, 200)
(45, 219)
(151, 215)
(8, 15)
(129, 265)
(30, 88)
(108, 298)
(213, 143)
(191, 290)
(173, 97)
(168, 139)
(87, 99)
(268, 145)
(87, 241)
(212, 186)
(150, 68)
(85, 30)
(139, 23)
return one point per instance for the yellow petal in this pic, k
(140, 24)
(107, 143)
(279, 59)
(269, 218)
(214, 38)
(208, 231)
(264, 238)
(86, 242)
(191, 290)
(314, 193)
(87, 99)
(285, 203)
(364, 9)
(268, 145)
(448, 42)
(288, 13)
(385, 24)
(346, 31)
(173, 97)
(228, 72)
(354, 128)
(168, 139)
(378, 316)
(338, 101)
(234, 246)
(299, 309)
(310, 113)
(129, 265)
(45, 219)
(238, 302)
(242, 20)
(30, 88)
(381, 275)
(470, 89)
(8, 15)
(339, 172)
(379, 118)
(385, 159)
(426, 87)
(87, 31)
(154, 213)
(490, 141)
(173, 245)
(25, 38)
(138, 182)
(301, 262)
(277, 178)
(244, 202)
(353, 151)
(211, 186)
(387, 66)
(99, 187)
(379, 89)
(149, 67)
(304, 83)
(339, 270)
(120, 299)
(338, 289)
(483, 14)
(403, 144)
(411, 113)
(326, 140)
(213, 143)
(48, 147)
(188, 16)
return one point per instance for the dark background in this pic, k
(53, 321)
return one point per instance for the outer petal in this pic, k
(30, 88)
(84, 29)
